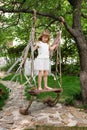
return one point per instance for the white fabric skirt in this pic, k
(42, 64)
(39, 64)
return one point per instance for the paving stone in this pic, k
(3, 128)
(41, 114)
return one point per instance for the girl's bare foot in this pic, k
(39, 88)
(47, 88)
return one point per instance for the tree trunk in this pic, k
(81, 42)
(82, 49)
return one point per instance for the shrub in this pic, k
(4, 93)
(78, 96)
(70, 101)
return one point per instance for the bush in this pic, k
(69, 101)
(4, 93)
(75, 97)
(8, 66)
(78, 96)
(71, 69)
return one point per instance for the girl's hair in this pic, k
(44, 33)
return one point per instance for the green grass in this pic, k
(14, 77)
(4, 95)
(70, 85)
(56, 128)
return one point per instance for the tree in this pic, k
(51, 10)
(81, 41)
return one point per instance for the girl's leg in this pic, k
(45, 80)
(40, 80)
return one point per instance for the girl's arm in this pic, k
(53, 47)
(36, 46)
(56, 41)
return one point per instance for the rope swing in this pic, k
(35, 92)
(22, 64)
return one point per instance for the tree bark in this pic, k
(81, 45)
(82, 49)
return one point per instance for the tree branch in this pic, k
(70, 30)
(4, 10)
(50, 23)
(72, 2)
(84, 16)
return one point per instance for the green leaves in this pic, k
(18, 22)
(4, 93)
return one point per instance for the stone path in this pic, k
(41, 114)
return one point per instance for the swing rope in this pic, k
(50, 103)
(58, 70)
(25, 53)
(32, 77)
(59, 53)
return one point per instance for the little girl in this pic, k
(42, 62)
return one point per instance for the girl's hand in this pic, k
(35, 47)
(61, 19)
(53, 47)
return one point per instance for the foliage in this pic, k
(45, 127)
(84, 106)
(71, 69)
(19, 24)
(4, 93)
(15, 77)
(78, 96)
(19, 21)
(75, 97)
(70, 84)
(26, 93)
(70, 101)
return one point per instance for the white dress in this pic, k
(42, 62)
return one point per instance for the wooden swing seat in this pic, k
(36, 92)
